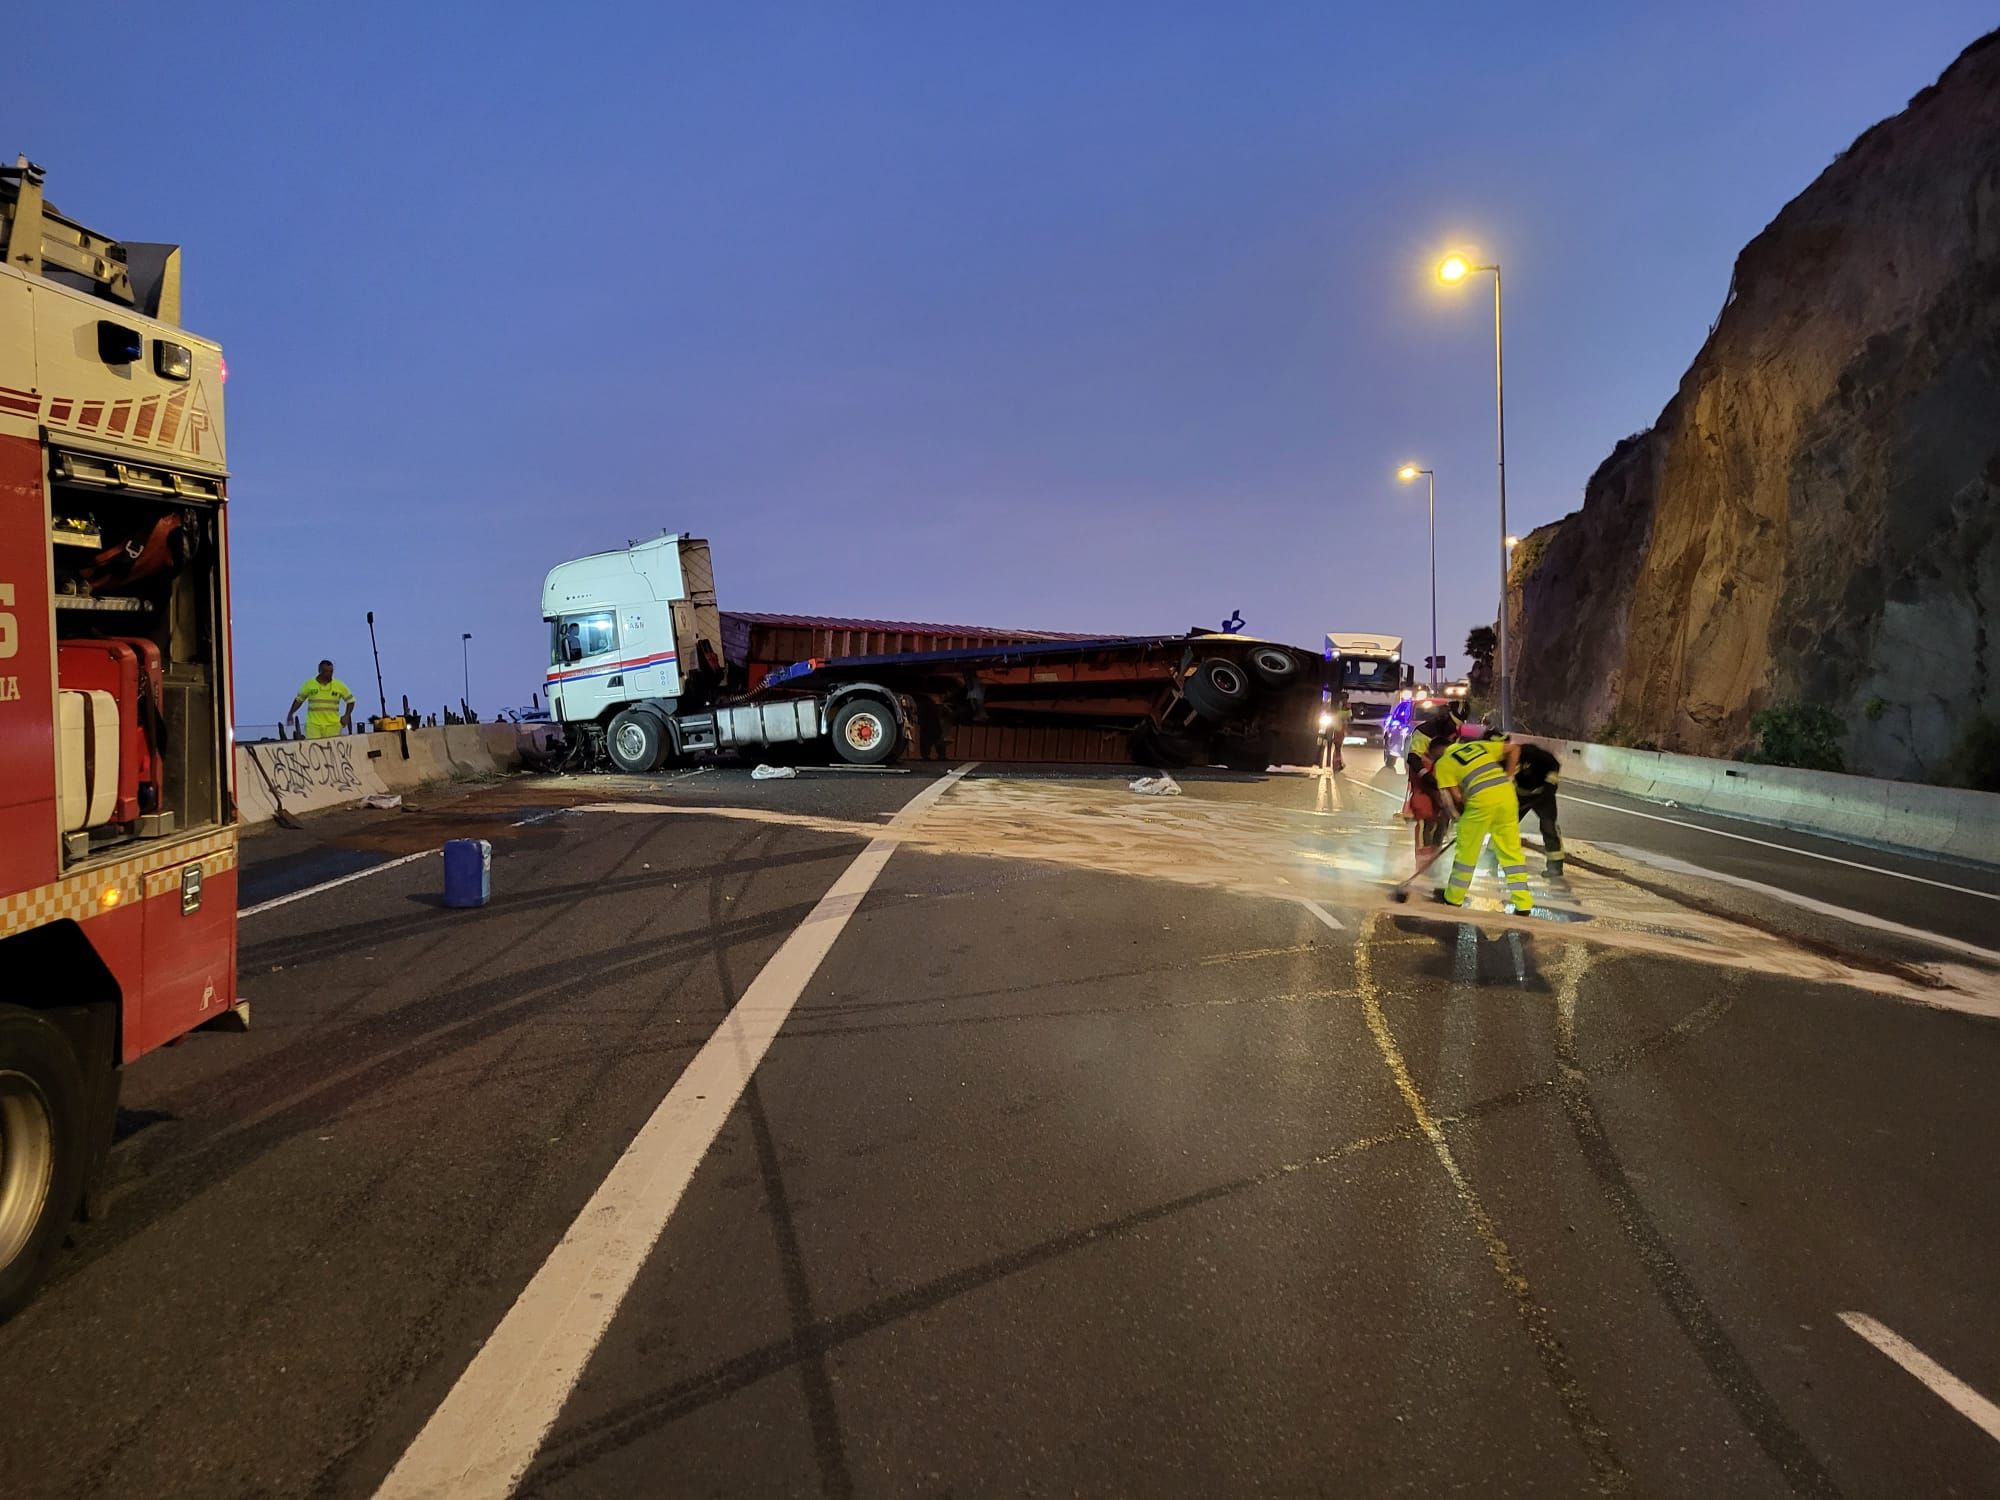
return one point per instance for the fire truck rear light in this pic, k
(109, 897)
(117, 344)
(173, 361)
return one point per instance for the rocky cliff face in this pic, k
(1815, 517)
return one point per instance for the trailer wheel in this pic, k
(42, 1150)
(1164, 749)
(634, 741)
(1217, 689)
(865, 732)
(1273, 667)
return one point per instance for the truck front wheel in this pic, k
(43, 1151)
(634, 741)
(865, 732)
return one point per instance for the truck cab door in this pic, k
(584, 665)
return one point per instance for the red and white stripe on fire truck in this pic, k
(177, 423)
(110, 887)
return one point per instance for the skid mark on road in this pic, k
(485, 1435)
(1725, 1363)
(1536, 1320)
(575, 1447)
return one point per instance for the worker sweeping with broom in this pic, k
(1426, 807)
(1477, 775)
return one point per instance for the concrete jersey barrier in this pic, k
(1862, 809)
(312, 775)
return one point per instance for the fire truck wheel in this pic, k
(634, 741)
(1217, 689)
(42, 1149)
(1273, 667)
(864, 732)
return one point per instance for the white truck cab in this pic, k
(1373, 678)
(627, 627)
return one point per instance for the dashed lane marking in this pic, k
(1946, 1386)
(484, 1436)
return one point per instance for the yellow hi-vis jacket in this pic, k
(322, 701)
(1478, 768)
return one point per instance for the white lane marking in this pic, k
(1954, 1392)
(543, 817)
(327, 885)
(1778, 893)
(1744, 838)
(1323, 914)
(486, 1433)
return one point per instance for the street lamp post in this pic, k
(1454, 269)
(465, 661)
(1407, 474)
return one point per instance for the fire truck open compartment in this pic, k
(137, 603)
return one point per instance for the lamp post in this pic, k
(1408, 474)
(465, 661)
(1452, 270)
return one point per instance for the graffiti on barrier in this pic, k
(299, 766)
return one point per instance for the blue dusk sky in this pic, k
(1081, 316)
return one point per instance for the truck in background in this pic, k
(117, 796)
(636, 676)
(1369, 672)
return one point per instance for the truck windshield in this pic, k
(1370, 674)
(574, 637)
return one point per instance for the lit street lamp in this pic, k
(1452, 270)
(465, 661)
(1408, 474)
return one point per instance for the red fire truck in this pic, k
(117, 805)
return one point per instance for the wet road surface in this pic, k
(1063, 1140)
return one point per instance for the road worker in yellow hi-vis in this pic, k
(329, 704)
(1478, 776)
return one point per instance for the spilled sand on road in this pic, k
(1339, 850)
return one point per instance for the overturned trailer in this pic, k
(623, 623)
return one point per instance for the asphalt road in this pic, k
(1117, 1145)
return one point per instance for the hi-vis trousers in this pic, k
(1492, 814)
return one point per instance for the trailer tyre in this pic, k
(1273, 667)
(635, 740)
(1164, 749)
(43, 1151)
(865, 732)
(1218, 689)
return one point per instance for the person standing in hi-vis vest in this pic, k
(329, 704)
(1478, 776)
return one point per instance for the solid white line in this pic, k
(1954, 1392)
(327, 885)
(1323, 914)
(486, 1433)
(1778, 893)
(1744, 838)
(541, 817)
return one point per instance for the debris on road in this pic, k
(774, 773)
(1157, 786)
(385, 801)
